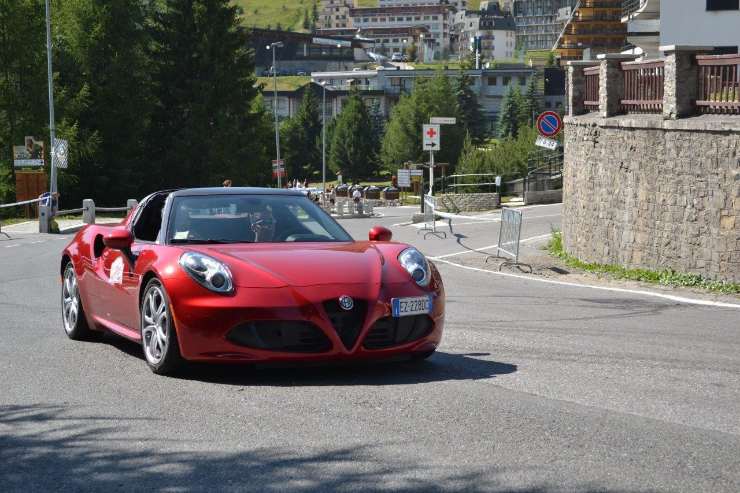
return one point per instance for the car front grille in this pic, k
(292, 336)
(389, 331)
(347, 323)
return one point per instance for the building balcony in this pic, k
(645, 9)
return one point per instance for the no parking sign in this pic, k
(549, 124)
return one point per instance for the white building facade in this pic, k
(436, 18)
(334, 14)
(711, 23)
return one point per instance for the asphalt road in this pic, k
(536, 387)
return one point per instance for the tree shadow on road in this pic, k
(58, 448)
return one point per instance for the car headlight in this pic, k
(207, 271)
(416, 264)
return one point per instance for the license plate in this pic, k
(411, 306)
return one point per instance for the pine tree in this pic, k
(306, 20)
(402, 141)
(471, 115)
(302, 138)
(508, 121)
(103, 98)
(351, 150)
(203, 72)
(23, 102)
(530, 107)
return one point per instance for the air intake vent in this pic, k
(388, 332)
(291, 336)
(347, 323)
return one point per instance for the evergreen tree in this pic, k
(377, 130)
(314, 15)
(471, 115)
(551, 59)
(351, 150)
(204, 122)
(403, 141)
(301, 141)
(103, 102)
(509, 113)
(306, 20)
(23, 96)
(530, 106)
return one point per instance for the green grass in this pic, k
(263, 13)
(665, 277)
(288, 13)
(14, 220)
(285, 83)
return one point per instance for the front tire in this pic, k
(158, 336)
(73, 315)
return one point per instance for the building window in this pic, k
(522, 81)
(492, 81)
(723, 4)
(507, 80)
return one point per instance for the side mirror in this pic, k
(118, 239)
(379, 233)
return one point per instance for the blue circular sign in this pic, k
(549, 124)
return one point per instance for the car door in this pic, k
(117, 271)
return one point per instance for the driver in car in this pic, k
(263, 225)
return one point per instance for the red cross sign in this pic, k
(431, 138)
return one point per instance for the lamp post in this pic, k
(52, 129)
(273, 47)
(421, 46)
(323, 142)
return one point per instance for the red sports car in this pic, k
(249, 275)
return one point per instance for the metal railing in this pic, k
(591, 96)
(18, 204)
(629, 7)
(643, 86)
(719, 84)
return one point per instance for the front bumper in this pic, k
(205, 322)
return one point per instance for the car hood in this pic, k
(301, 264)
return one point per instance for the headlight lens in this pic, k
(207, 271)
(416, 264)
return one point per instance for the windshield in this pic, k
(248, 218)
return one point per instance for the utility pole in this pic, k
(323, 143)
(273, 47)
(52, 130)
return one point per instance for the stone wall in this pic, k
(543, 197)
(641, 191)
(467, 202)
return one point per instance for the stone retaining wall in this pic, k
(467, 202)
(543, 197)
(641, 191)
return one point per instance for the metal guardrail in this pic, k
(17, 204)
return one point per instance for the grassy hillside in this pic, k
(288, 13)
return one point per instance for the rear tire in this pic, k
(73, 315)
(158, 335)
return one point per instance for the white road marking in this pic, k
(38, 241)
(531, 238)
(13, 246)
(678, 299)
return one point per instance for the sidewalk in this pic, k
(65, 226)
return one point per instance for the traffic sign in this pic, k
(404, 178)
(61, 151)
(546, 143)
(275, 163)
(549, 124)
(431, 137)
(443, 120)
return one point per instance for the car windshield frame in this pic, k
(277, 204)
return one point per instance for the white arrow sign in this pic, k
(431, 138)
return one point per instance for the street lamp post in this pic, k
(273, 47)
(323, 142)
(52, 129)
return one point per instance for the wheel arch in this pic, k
(66, 259)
